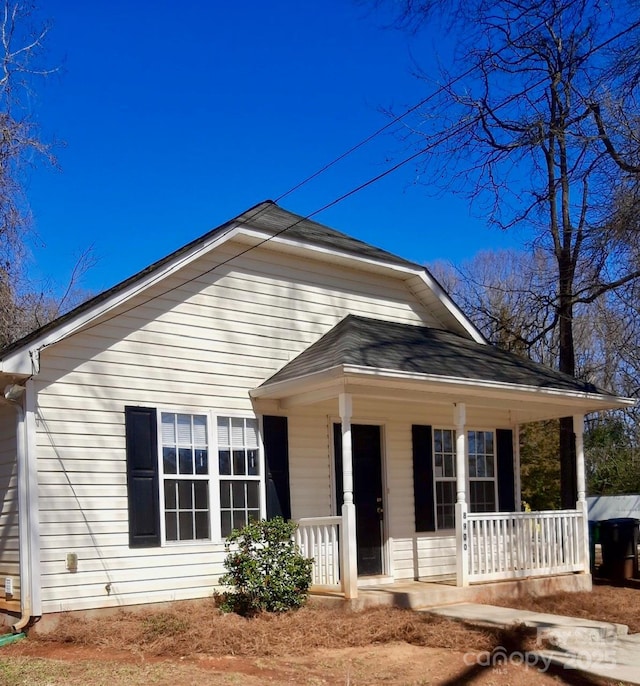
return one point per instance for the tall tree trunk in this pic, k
(567, 364)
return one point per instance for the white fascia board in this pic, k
(501, 388)
(422, 274)
(316, 380)
(326, 252)
(312, 381)
(455, 311)
(19, 361)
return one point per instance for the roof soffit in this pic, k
(525, 403)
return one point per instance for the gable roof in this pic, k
(270, 217)
(274, 222)
(393, 346)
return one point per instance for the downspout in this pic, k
(27, 500)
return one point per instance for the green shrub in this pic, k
(265, 568)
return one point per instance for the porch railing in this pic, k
(511, 545)
(318, 538)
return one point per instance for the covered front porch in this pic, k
(489, 546)
(421, 443)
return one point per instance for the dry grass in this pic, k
(200, 628)
(605, 603)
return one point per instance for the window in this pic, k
(239, 469)
(192, 476)
(185, 476)
(481, 486)
(444, 460)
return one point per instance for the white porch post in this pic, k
(581, 482)
(348, 530)
(462, 533)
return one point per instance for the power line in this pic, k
(407, 112)
(453, 131)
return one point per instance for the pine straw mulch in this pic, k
(200, 628)
(606, 603)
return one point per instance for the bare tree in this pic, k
(510, 296)
(21, 48)
(25, 305)
(504, 294)
(543, 133)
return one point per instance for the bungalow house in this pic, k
(273, 366)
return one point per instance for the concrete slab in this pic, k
(493, 616)
(597, 648)
(616, 658)
(423, 594)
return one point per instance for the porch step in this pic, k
(420, 595)
(494, 616)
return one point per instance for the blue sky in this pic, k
(178, 116)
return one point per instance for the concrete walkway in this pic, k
(601, 649)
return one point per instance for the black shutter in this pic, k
(275, 438)
(142, 476)
(423, 499)
(337, 454)
(506, 487)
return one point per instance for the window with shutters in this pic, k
(185, 476)
(481, 474)
(239, 470)
(444, 473)
(210, 475)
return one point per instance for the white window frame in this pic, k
(259, 477)
(213, 476)
(494, 478)
(485, 479)
(442, 479)
(162, 476)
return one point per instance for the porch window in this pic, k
(185, 476)
(239, 468)
(444, 459)
(482, 473)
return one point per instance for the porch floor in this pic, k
(415, 595)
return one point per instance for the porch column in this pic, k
(581, 483)
(348, 530)
(462, 538)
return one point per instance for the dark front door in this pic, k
(367, 492)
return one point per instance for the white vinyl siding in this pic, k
(202, 345)
(10, 557)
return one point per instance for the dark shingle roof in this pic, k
(270, 217)
(403, 347)
(266, 216)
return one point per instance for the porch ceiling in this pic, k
(404, 363)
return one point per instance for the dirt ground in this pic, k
(193, 643)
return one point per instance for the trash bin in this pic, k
(594, 538)
(619, 540)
